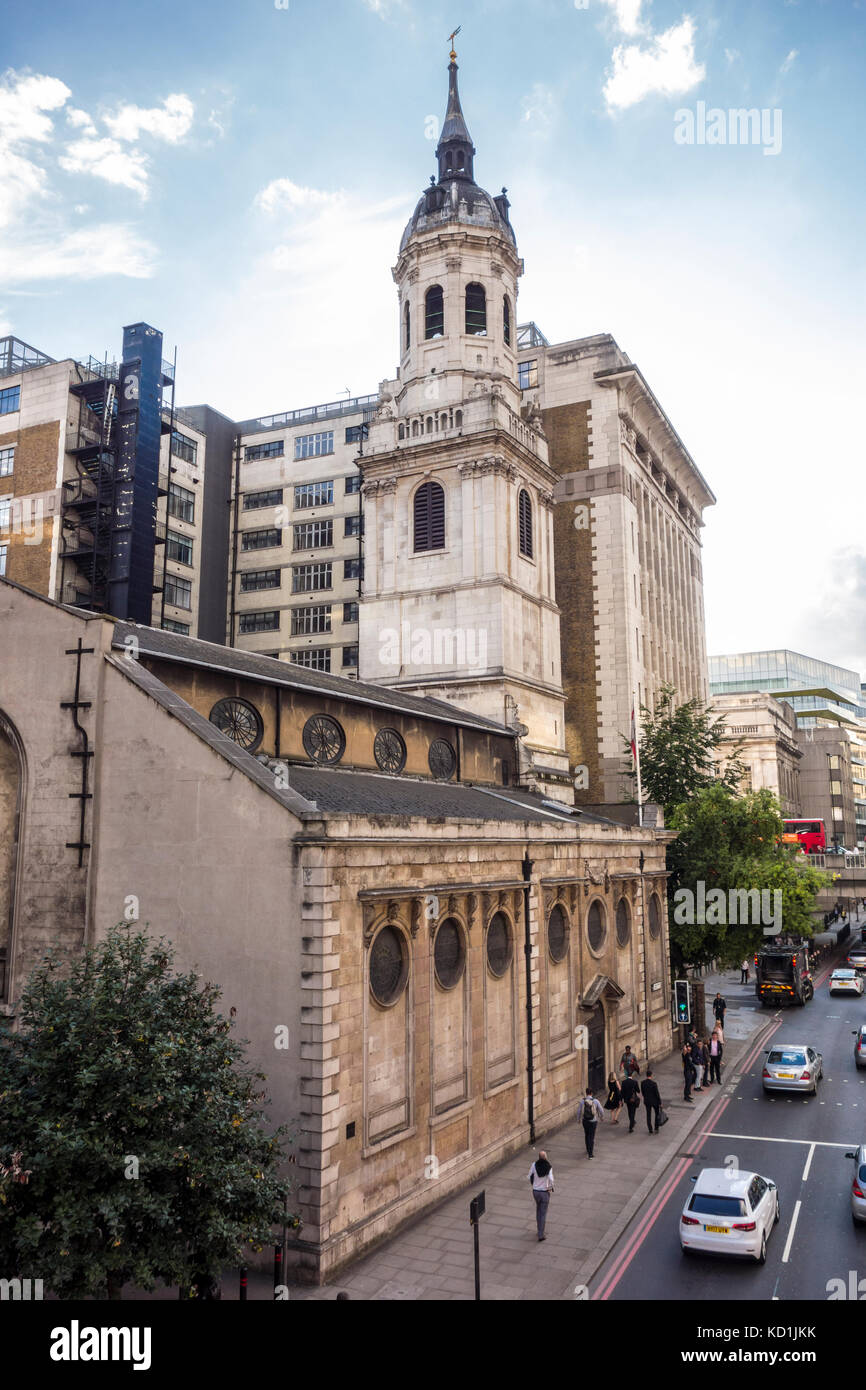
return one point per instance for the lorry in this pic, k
(782, 975)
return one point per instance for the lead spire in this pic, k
(455, 151)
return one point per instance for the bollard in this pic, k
(278, 1268)
(243, 1294)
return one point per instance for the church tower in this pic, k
(458, 598)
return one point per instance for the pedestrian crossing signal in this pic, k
(681, 989)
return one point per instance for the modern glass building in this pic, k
(819, 691)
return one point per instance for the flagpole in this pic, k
(637, 767)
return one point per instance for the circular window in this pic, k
(389, 750)
(596, 926)
(498, 944)
(557, 934)
(240, 721)
(442, 760)
(389, 966)
(324, 740)
(449, 954)
(623, 922)
(655, 922)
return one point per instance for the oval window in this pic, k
(655, 916)
(389, 966)
(449, 954)
(498, 944)
(557, 934)
(596, 925)
(623, 922)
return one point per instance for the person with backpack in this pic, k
(589, 1112)
(630, 1092)
(541, 1180)
(652, 1100)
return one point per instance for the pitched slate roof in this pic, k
(190, 651)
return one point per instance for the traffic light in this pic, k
(684, 1013)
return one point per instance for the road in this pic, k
(798, 1142)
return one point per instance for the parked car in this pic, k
(729, 1214)
(844, 981)
(792, 1067)
(860, 1045)
(858, 1185)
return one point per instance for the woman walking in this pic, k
(614, 1099)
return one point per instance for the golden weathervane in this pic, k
(451, 38)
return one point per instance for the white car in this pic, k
(846, 982)
(729, 1213)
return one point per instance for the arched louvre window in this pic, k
(476, 310)
(434, 312)
(407, 327)
(524, 523)
(506, 319)
(430, 517)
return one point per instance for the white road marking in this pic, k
(790, 1239)
(808, 1165)
(771, 1139)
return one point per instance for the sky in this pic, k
(238, 174)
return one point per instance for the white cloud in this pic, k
(24, 102)
(383, 8)
(81, 120)
(733, 55)
(120, 252)
(667, 66)
(627, 14)
(107, 159)
(538, 105)
(790, 60)
(282, 195)
(170, 122)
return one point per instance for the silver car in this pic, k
(858, 1185)
(857, 958)
(792, 1067)
(860, 1045)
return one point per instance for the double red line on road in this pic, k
(717, 1107)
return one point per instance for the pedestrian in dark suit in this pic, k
(652, 1100)
(720, 1003)
(716, 1050)
(689, 1074)
(631, 1099)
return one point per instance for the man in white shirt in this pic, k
(541, 1177)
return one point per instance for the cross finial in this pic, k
(451, 38)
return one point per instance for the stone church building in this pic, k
(392, 868)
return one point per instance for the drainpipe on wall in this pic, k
(527, 952)
(235, 533)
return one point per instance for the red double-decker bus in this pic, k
(808, 834)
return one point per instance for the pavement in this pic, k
(593, 1203)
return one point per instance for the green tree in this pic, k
(134, 1146)
(728, 842)
(682, 750)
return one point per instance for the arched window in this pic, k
(429, 425)
(430, 517)
(416, 429)
(407, 327)
(401, 432)
(443, 422)
(434, 312)
(458, 419)
(506, 319)
(524, 523)
(461, 160)
(476, 310)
